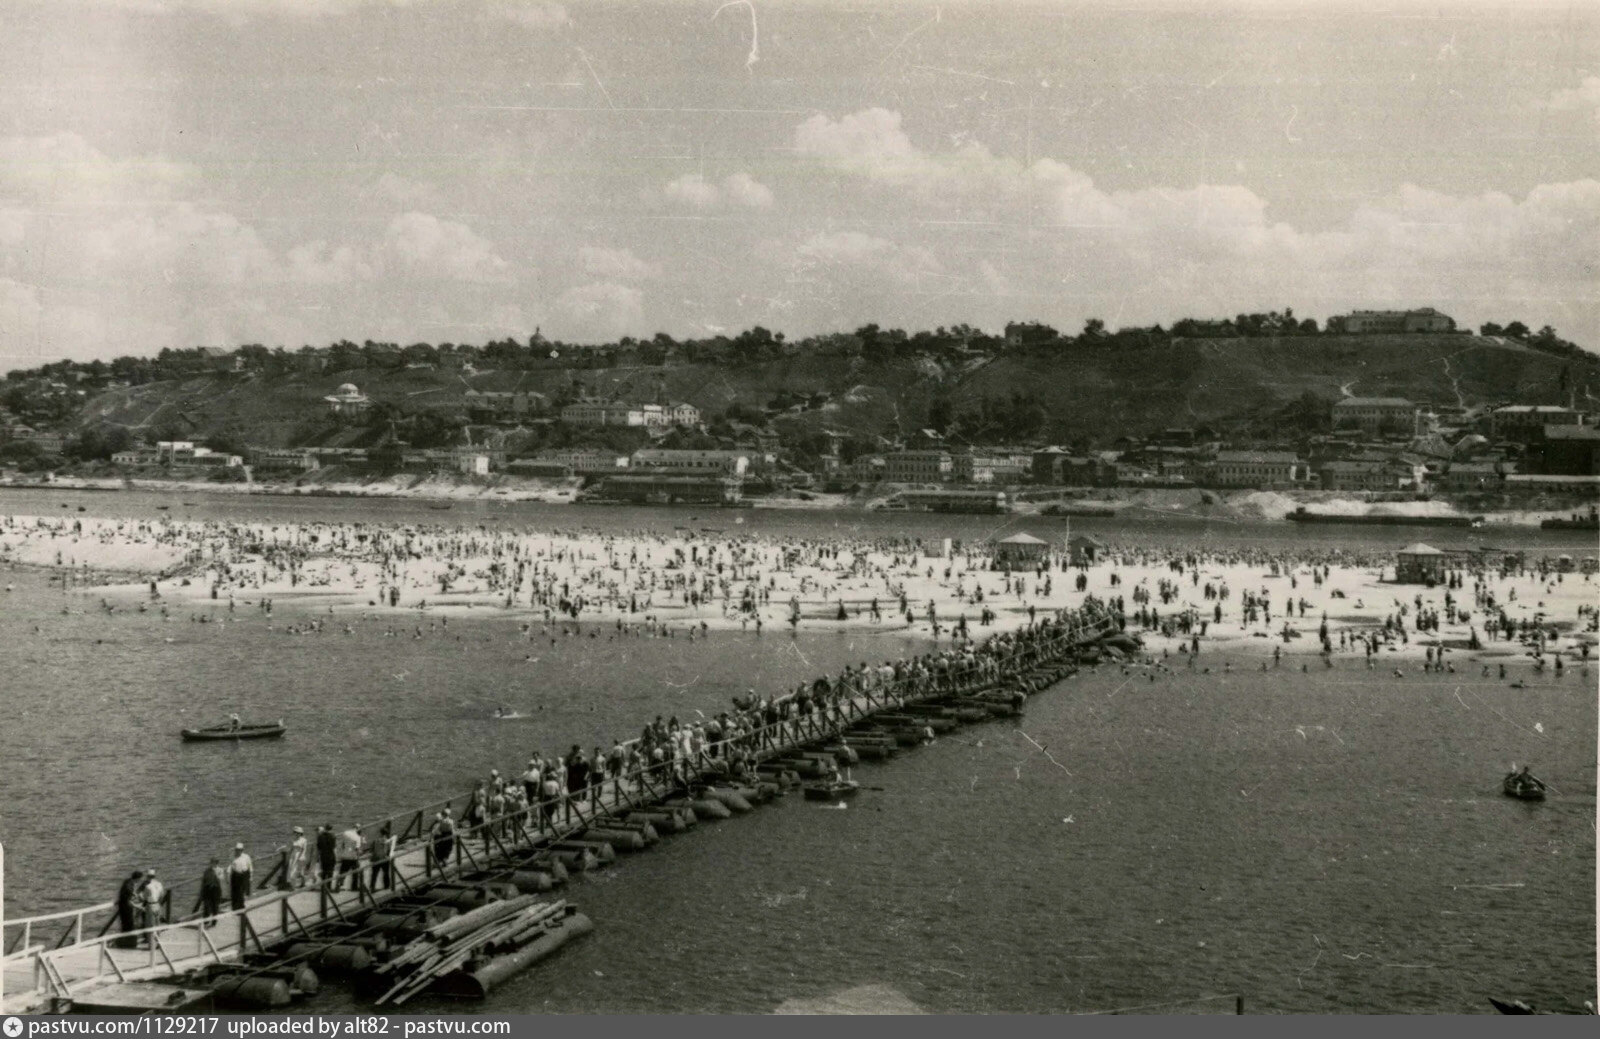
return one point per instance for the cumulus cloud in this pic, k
(737, 189)
(1165, 251)
(1585, 95)
(603, 310)
(692, 189)
(419, 245)
(861, 251)
(744, 190)
(615, 264)
(317, 263)
(180, 243)
(65, 169)
(869, 142)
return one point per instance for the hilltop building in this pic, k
(348, 402)
(1425, 319)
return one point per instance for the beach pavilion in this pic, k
(1085, 549)
(1021, 551)
(1420, 564)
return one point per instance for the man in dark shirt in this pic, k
(210, 901)
(577, 777)
(127, 906)
(327, 847)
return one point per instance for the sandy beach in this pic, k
(1198, 608)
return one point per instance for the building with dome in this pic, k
(348, 402)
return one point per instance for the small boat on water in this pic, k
(264, 731)
(441, 505)
(1522, 786)
(831, 790)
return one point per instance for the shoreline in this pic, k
(1268, 507)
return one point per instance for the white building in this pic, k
(348, 401)
(723, 461)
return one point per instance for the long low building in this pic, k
(661, 489)
(693, 461)
(1256, 469)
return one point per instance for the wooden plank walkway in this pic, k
(38, 977)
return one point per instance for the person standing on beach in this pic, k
(239, 875)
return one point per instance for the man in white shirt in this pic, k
(239, 873)
(349, 851)
(151, 898)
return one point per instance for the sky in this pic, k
(178, 173)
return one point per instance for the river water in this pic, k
(1331, 842)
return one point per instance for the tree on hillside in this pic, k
(1516, 330)
(28, 456)
(1094, 328)
(435, 429)
(98, 443)
(231, 440)
(420, 353)
(755, 343)
(170, 426)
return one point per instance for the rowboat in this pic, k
(227, 732)
(833, 790)
(1523, 788)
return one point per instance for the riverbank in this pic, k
(1193, 504)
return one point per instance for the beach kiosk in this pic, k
(1419, 564)
(1021, 551)
(1085, 550)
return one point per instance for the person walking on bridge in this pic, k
(209, 902)
(327, 860)
(349, 852)
(299, 854)
(383, 859)
(443, 835)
